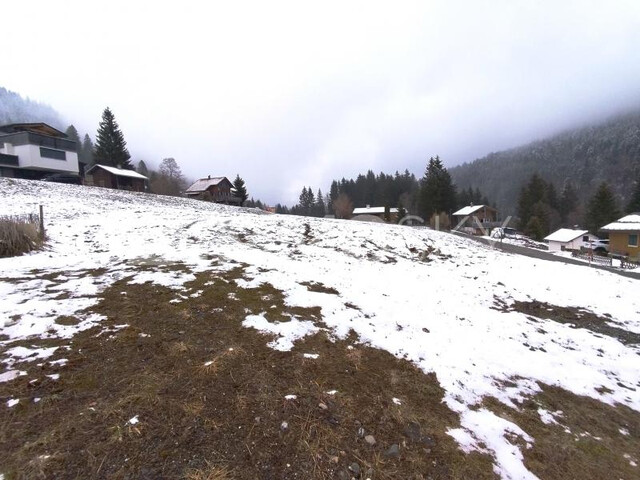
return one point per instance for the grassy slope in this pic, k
(163, 355)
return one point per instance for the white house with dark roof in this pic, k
(569, 239)
(35, 150)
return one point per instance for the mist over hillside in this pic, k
(15, 109)
(586, 156)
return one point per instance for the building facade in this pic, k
(35, 150)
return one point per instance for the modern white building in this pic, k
(569, 239)
(35, 150)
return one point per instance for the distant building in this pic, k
(465, 219)
(569, 239)
(373, 214)
(117, 178)
(624, 235)
(35, 150)
(213, 189)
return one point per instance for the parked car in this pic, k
(504, 232)
(63, 178)
(600, 245)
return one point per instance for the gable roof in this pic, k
(372, 210)
(204, 183)
(627, 223)
(38, 127)
(565, 235)
(118, 172)
(471, 209)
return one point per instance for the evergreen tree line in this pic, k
(541, 210)
(434, 193)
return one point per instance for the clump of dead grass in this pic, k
(211, 367)
(210, 472)
(18, 235)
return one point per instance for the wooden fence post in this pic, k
(41, 222)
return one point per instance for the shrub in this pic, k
(19, 234)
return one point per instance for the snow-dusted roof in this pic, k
(625, 224)
(372, 210)
(565, 235)
(120, 172)
(204, 183)
(468, 210)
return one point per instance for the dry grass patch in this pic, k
(193, 421)
(19, 234)
(319, 288)
(210, 473)
(590, 441)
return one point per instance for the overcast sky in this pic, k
(298, 93)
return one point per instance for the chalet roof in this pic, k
(565, 235)
(471, 209)
(372, 210)
(629, 223)
(39, 127)
(204, 183)
(119, 172)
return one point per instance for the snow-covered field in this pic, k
(425, 296)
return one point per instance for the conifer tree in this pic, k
(241, 189)
(320, 207)
(111, 148)
(142, 168)
(87, 155)
(72, 134)
(437, 192)
(568, 202)
(602, 208)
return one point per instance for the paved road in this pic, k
(543, 255)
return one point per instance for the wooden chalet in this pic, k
(114, 177)
(213, 189)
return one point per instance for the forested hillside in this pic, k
(585, 157)
(15, 109)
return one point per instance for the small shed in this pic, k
(624, 236)
(115, 177)
(569, 239)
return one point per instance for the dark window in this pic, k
(50, 153)
(585, 238)
(633, 240)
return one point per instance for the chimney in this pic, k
(368, 206)
(208, 177)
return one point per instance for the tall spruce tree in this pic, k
(87, 152)
(111, 148)
(437, 192)
(602, 208)
(320, 208)
(241, 189)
